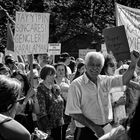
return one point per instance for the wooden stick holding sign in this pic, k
(30, 60)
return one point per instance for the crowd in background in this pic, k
(42, 105)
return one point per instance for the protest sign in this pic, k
(31, 33)
(130, 18)
(83, 52)
(116, 42)
(54, 48)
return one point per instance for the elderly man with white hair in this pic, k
(87, 100)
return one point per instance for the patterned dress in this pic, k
(51, 106)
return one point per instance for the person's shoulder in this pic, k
(78, 80)
(4, 118)
(15, 131)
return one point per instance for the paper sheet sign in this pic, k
(54, 48)
(31, 33)
(116, 42)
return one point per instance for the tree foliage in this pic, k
(69, 18)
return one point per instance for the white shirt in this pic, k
(91, 100)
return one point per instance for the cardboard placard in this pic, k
(54, 48)
(116, 42)
(130, 18)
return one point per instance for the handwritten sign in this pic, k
(54, 48)
(31, 33)
(83, 52)
(116, 42)
(130, 18)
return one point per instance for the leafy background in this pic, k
(73, 23)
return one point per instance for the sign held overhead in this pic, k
(31, 33)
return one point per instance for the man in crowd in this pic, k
(87, 100)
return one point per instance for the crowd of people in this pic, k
(93, 98)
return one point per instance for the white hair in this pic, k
(95, 55)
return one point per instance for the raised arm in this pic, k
(127, 76)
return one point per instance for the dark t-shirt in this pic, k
(12, 130)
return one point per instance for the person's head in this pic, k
(9, 93)
(94, 62)
(36, 66)
(35, 77)
(80, 70)
(21, 66)
(109, 65)
(23, 79)
(47, 74)
(72, 65)
(4, 70)
(11, 63)
(79, 60)
(43, 59)
(61, 70)
(65, 57)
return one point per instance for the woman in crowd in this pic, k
(25, 108)
(63, 82)
(35, 82)
(9, 93)
(116, 97)
(62, 78)
(51, 105)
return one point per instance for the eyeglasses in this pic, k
(111, 65)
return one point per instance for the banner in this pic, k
(31, 33)
(116, 42)
(130, 18)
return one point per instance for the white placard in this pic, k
(31, 33)
(54, 48)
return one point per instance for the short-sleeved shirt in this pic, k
(91, 100)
